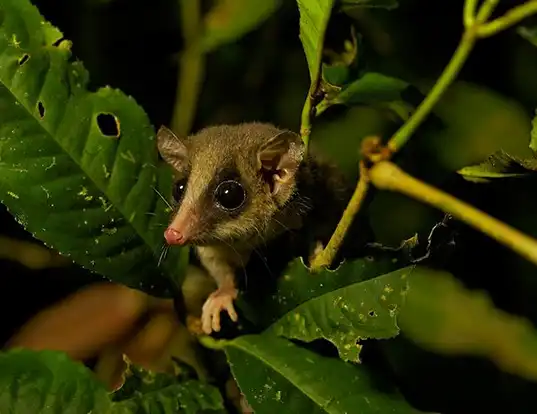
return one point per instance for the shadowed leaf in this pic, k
(278, 376)
(443, 316)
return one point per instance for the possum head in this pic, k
(230, 180)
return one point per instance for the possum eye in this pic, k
(230, 195)
(179, 189)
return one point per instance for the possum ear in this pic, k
(279, 159)
(172, 149)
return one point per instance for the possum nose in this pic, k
(173, 236)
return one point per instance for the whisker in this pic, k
(163, 255)
(162, 198)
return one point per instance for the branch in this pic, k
(191, 68)
(510, 18)
(448, 76)
(325, 258)
(387, 176)
(305, 122)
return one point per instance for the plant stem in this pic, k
(486, 10)
(510, 18)
(469, 13)
(305, 122)
(191, 68)
(387, 176)
(448, 76)
(325, 258)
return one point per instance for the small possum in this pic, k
(239, 186)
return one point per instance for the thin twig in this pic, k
(325, 258)
(469, 13)
(446, 79)
(191, 68)
(510, 18)
(387, 176)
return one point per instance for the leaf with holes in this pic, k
(345, 316)
(231, 19)
(297, 285)
(79, 169)
(49, 382)
(277, 376)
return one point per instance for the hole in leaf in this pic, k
(108, 125)
(24, 59)
(372, 313)
(41, 109)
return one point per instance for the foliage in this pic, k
(50, 382)
(80, 171)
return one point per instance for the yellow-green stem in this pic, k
(510, 18)
(486, 10)
(305, 122)
(325, 258)
(448, 76)
(191, 68)
(387, 176)
(470, 7)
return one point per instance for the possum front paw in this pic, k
(221, 299)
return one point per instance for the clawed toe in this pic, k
(217, 302)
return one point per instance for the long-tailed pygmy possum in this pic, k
(236, 187)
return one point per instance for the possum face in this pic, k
(230, 181)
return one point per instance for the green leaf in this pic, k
(297, 285)
(503, 125)
(371, 88)
(499, 165)
(190, 397)
(228, 20)
(49, 382)
(345, 316)
(278, 376)
(77, 168)
(314, 17)
(442, 316)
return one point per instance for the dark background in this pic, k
(135, 46)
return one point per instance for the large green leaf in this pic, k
(297, 285)
(231, 19)
(345, 316)
(503, 125)
(440, 314)
(78, 169)
(278, 376)
(49, 382)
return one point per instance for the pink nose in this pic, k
(173, 236)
